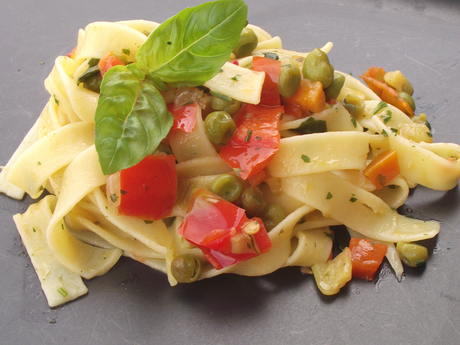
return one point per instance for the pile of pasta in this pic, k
(73, 233)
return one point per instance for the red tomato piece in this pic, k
(184, 117)
(366, 257)
(149, 189)
(217, 226)
(270, 95)
(255, 141)
(108, 61)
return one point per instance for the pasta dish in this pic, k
(200, 147)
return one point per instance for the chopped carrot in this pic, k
(108, 61)
(374, 79)
(366, 257)
(383, 168)
(310, 97)
(255, 180)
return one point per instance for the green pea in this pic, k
(289, 80)
(408, 98)
(353, 104)
(227, 186)
(186, 268)
(253, 201)
(230, 107)
(333, 90)
(316, 67)
(247, 43)
(273, 215)
(219, 127)
(412, 254)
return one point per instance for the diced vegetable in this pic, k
(332, 275)
(374, 78)
(148, 190)
(383, 168)
(255, 141)
(412, 254)
(186, 268)
(309, 98)
(222, 230)
(270, 94)
(108, 61)
(184, 117)
(366, 257)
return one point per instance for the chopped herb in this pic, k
(236, 77)
(353, 121)
(148, 221)
(257, 148)
(385, 134)
(33, 229)
(169, 43)
(395, 131)
(381, 179)
(258, 138)
(123, 191)
(392, 186)
(429, 134)
(113, 198)
(221, 70)
(272, 56)
(305, 158)
(387, 116)
(238, 170)
(328, 234)
(353, 199)
(126, 51)
(39, 163)
(311, 125)
(380, 106)
(248, 136)
(56, 100)
(329, 195)
(225, 98)
(62, 292)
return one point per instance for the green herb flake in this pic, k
(33, 229)
(219, 95)
(56, 100)
(305, 158)
(272, 56)
(236, 77)
(148, 221)
(258, 138)
(429, 134)
(353, 121)
(353, 199)
(248, 136)
(328, 234)
(329, 196)
(385, 134)
(39, 163)
(126, 51)
(395, 131)
(62, 292)
(381, 179)
(387, 116)
(380, 106)
(113, 198)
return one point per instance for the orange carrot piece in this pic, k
(383, 168)
(366, 257)
(108, 61)
(309, 97)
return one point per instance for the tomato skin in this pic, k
(184, 117)
(270, 95)
(255, 141)
(108, 61)
(214, 224)
(366, 257)
(149, 189)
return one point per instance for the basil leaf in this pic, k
(131, 120)
(191, 47)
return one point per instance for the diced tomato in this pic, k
(219, 229)
(310, 97)
(184, 117)
(374, 79)
(270, 94)
(108, 61)
(366, 257)
(293, 109)
(255, 180)
(148, 190)
(255, 141)
(383, 168)
(235, 62)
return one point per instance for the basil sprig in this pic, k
(186, 50)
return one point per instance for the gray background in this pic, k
(135, 305)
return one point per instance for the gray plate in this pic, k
(135, 305)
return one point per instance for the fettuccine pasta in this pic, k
(75, 231)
